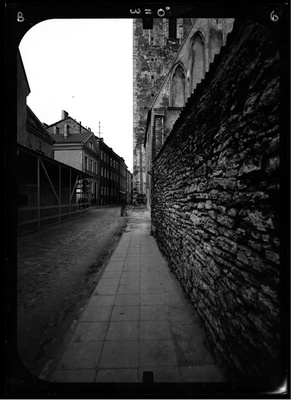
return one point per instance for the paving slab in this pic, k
(120, 354)
(81, 355)
(157, 352)
(123, 330)
(125, 375)
(75, 376)
(138, 321)
(125, 312)
(96, 314)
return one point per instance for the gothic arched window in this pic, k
(198, 59)
(178, 87)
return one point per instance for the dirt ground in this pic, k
(57, 270)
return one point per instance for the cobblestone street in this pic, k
(57, 269)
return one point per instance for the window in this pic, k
(91, 165)
(101, 190)
(181, 32)
(101, 171)
(172, 28)
(90, 145)
(198, 59)
(178, 87)
(95, 167)
(86, 162)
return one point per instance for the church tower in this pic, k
(154, 51)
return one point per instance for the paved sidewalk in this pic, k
(137, 320)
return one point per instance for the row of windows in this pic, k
(106, 191)
(92, 166)
(109, 175)
(105, 157)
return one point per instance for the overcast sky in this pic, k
(83, 66)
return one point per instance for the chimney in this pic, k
(64, 114)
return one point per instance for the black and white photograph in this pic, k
(147, 200)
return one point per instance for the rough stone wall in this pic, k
(215, 201)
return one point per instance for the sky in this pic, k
(85, 67)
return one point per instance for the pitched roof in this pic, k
(63, 119)
(71, 138)
(35, 126)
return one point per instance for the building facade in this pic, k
(123, 181)
(129, 191)
(202, 42)
(109, 174)
(153, 53)
(76, 146)
(46, 188)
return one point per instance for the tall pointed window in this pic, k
(198, 59)
(178, 87)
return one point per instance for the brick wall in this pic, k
(215, 202)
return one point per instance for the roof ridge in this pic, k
(79, 137)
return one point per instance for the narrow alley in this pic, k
(137, 324)
(151, 248)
